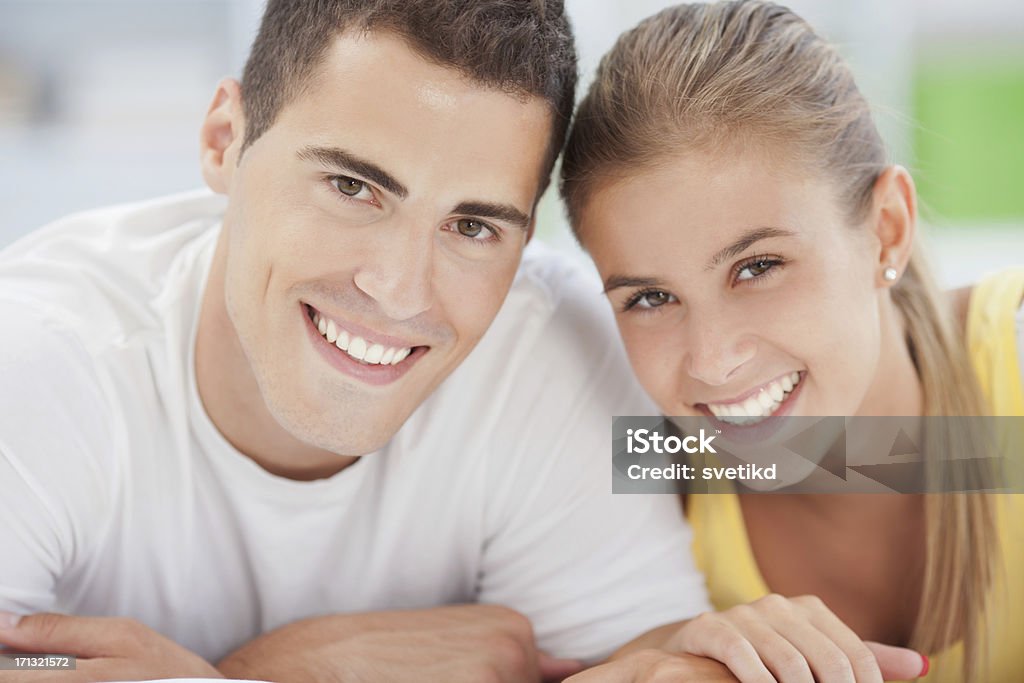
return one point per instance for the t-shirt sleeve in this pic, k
(592, 570)
(1020, 341)
(55, 443)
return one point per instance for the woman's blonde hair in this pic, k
(753, 75)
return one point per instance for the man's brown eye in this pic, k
(469, 228)
(348, 186)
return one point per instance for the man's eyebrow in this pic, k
(617, 281)
(501, 212)
(745, 241)
(346, 161)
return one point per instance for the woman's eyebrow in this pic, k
(616, 281)
(745, 241)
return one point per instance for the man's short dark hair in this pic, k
(523, 47)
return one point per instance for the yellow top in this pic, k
(722, 550)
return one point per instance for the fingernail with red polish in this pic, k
(925, 665)
(8, 620)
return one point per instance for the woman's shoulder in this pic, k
(995, 338)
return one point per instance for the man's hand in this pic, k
(657, 666)
(108, 649)
(470, 643)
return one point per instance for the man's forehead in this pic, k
(386, 54)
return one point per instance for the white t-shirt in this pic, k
(118, 495)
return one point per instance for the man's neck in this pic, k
(231, 395)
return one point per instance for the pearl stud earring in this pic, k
(889, 274)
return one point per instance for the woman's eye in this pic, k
(652, 299)
(755, 269)
(350, 187)
(470, 228)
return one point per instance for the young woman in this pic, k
(726, 176)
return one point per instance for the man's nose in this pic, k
(398, 275)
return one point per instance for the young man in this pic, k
(220, 415)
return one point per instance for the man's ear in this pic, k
(220, 138)
(894, 218)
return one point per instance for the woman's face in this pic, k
(740, 288)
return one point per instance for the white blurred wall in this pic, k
(101, 100)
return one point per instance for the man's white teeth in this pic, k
(759, 407)
(357, 347)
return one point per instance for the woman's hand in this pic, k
(792, 640)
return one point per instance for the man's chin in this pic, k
(369, 438)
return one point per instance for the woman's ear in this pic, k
(220, 137)
(894, 218)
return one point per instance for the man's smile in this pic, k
(367, 356)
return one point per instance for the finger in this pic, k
(862, 660)
(898, 663)
(712, 635)
(785, 662)
(61, 634)
(828, 662)
(554, 669)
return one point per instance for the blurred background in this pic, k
(101, 101)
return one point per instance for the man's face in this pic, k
(373, 233)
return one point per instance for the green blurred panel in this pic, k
(969, 142)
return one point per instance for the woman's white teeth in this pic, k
(758, 407)
(752, 407)
(357, 347)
